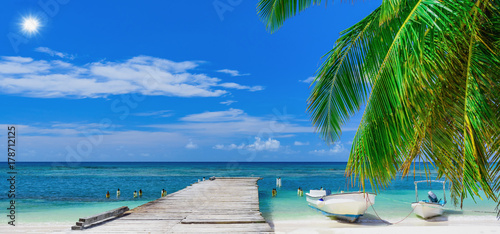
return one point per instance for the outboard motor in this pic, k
(432, 197)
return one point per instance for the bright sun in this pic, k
(30, 25)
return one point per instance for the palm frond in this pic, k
(397, 96)
(428, 71)
(332, 102)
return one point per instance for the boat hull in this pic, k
(347, 206)
(427, 210)
(350, 218)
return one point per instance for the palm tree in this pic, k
(428, 73)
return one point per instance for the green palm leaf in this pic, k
(428, 73)
(274, 12)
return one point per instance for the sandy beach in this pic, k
(476, 224)
(37, 228)
(412, 225)
(318, 226)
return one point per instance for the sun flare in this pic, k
(30, 25)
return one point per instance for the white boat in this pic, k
(429, 208)
(349, 206)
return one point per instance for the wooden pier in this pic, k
(223, 205)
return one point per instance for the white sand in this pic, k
(409, 226)
(37, 228)
(463, 225)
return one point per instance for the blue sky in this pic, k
(166, 81)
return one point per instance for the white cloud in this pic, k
(17, 59)
(284, 135)
(62, 133)
(63, 129)
(215, 116)
(270, 144)
(338, 147)
(100, 147)
(257, 145)
(218, 146)
(235, 121)
(228, 102)
(300, 143)
(232, 72)
(238, 86)
(308, 80)
(142, 74)
(53, 53)
(229, 147)
(21, 65)
(161, 113)
(191, 145)
(288, 150)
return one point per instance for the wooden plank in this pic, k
(221, 228)
(104, 215)
(219, 205)
(98, 218)
(222, 220)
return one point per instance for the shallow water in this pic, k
(55, 192)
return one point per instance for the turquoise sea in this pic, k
(58, 192)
